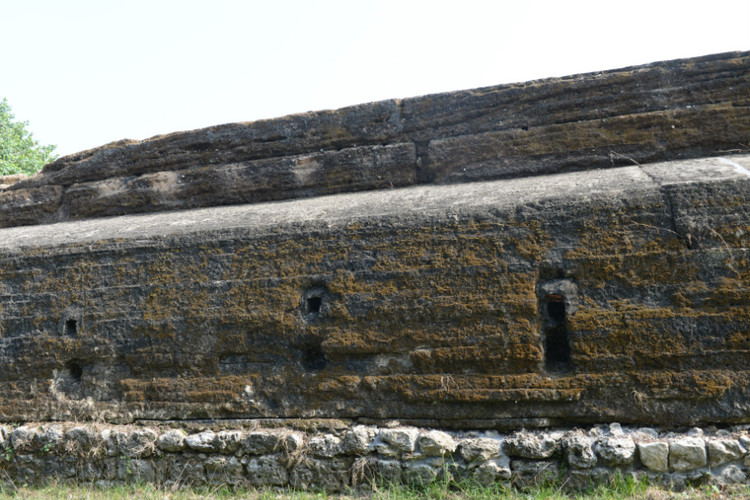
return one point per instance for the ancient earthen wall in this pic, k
(476, 261)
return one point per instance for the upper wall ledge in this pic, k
(680, 109)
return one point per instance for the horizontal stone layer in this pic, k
(671, 110)
(618, 294)
(336, 456)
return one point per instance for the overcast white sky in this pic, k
(87, 72)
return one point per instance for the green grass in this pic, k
(617, 487)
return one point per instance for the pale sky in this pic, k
(88, 72)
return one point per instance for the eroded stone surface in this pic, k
(358, 439)
(615, 450)
(362, 338)
(479, 449)
(73, 450)
(436, 443)
(721, 451)
(530, 445)
(206, 441)
(687, 453)
(327, 445)
(580, 450)
(268, 470)
(654, 455)
(172, 440)
(589, 293)
(621, 117)
(395, 442)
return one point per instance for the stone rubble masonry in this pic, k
(167, 455)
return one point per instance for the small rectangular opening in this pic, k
(556, 337)
(71, 326)
(313, 305)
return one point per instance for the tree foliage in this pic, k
(19, 152)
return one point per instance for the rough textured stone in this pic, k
(172, 440)
(37, 439)
(654, 455)
(645, 433)
(133, 283)
(262, 442)
(589, 293)
(139, 443)
(579, 450)
(328, 475)
(721, 451)
(393, 442)
(419, 473)
(111, 438)
(497, 469)
(436, 443)
(206, 441)
(615, 450)
(731, 474)
(136, 470)
(479, 449)
(267, 470)
(75, 457)
(371, 470)
(327, 445)
(649, 113)
(185, 470)
(530, 445)
(580, 479)
(527, 473)
(687, 453)
(83, 440)
(21, 437)
(229, 441)
(358, 439)
(128, 442)
(224, 470)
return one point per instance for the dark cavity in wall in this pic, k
(556, 336)
(75, 370)
(314, 359)
(69, 379)
(71, 327)
(308, 352)
(72, 320)
(313, 303)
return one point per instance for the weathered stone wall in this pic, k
(575, 284)
(618, 294)
(663, 111)
(335, 456)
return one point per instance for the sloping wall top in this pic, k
(663, 111)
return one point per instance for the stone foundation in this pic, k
(334, 456)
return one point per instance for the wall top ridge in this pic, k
(671, 110)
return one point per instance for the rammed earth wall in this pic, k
(334, 456)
